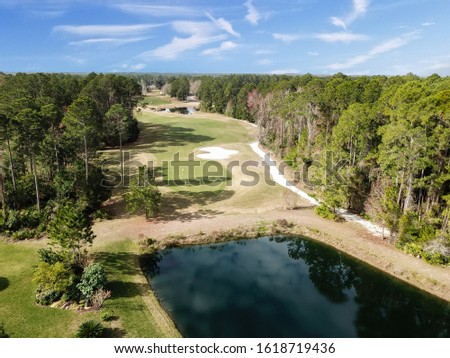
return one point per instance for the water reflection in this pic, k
(279, 287)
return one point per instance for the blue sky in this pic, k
(231, 36)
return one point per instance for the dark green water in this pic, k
(288, 288)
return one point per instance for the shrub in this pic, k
(24, 234)
(93, 279)
(145, 198)
(106, 316)
(51, 257)
(46, 298)
(52, 278)
(326, 212)
(3, 333)
(90, 329)
(99, 297)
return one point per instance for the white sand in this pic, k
(216, 153)
(278, 177)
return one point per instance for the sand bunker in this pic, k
(215, 153)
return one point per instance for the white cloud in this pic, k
(107, 41)
(105, 30)
(253, 15)
(285, 71)
(310, 53)
(264, 62)
(428, 23)
(157, 10)
(340, 37)
(137, 67)
(223, 25)
(263, 52)
(76, 60)
(179, 45)
(200, 34)
(224, 46)
(384, 47)
(327, 37)
(287, 38)
(359, 9)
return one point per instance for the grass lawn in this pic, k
(22, 318)
(155, 101)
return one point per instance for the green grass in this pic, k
(166, 137)
(22, 318)
(128, 290)
(155, 101)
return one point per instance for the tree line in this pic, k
(51, 127)
(389, 137)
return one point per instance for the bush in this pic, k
(106, 316)
(326, 212)
(90, 329)
(46, 298)
(52, 278)
(93, 279)
(145, 198)
(51, 257)
(3, 333)
(25, 234)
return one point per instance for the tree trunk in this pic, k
(86, 158)
(122, 171)
(409, 191)
(2, 191)
(36, 184)
(11, 164)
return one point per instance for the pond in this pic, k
(279, 287)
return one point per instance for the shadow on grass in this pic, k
(114, 333)
(153, 137)
(4, 283)
(174, 204)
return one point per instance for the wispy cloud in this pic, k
(346, 37)
(287, 38)
(108, 41)
(265, 62)
(76, 60)
(359, 9)
(105, 30)
(200, 34)
(223, 25)
(138, 67)
(253, 15)
(263, 52)
(429, 23)
(285, 71)
(157, 10)
(390, 45)
(310, 53)
(217, 51)
(340, 37)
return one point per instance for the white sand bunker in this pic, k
(216, 153)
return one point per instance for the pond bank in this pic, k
(373, 251)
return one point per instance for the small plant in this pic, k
(326, 212)
(90, 329)
(3, 333)
(106, 316)
(93, 279)
(99, 297)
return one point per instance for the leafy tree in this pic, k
(92, 280)
(145, 198)
(71, 230)
(81, 122)
(116, 123)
